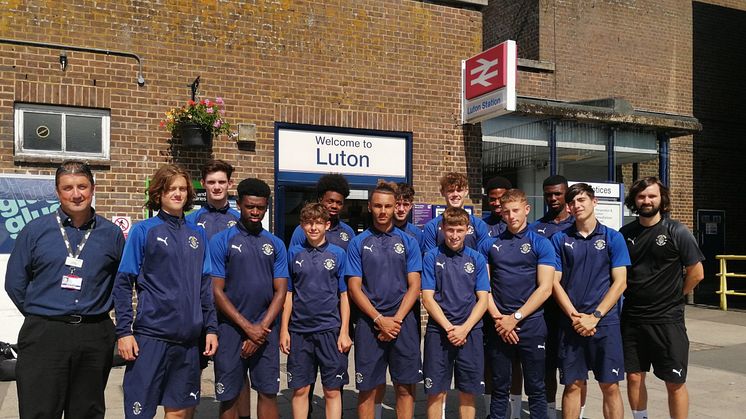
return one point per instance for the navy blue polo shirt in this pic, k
(514, 260)
(415, 232)
(168, 261)
(316, 280)
(433, 234)
(249, 263)
(455, 276)
(383, 261)
(339, 234)
(586, 264)
(33, 277)
(547, 226)
(214, 220)
(495, 224)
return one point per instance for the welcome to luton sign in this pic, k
(488, 83)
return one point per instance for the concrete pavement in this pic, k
(716, 380)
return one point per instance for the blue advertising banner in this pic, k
(23, 198)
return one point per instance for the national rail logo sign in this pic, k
(488, 83)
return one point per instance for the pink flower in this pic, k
(210, 110)
(222, 112)
(217, 123)
(219, 100)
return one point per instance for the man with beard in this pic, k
(653, 328)
(383, 271)
(248, 305)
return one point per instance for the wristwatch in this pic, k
(597, 314)
(518, 315)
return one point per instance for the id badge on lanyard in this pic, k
(71, 281)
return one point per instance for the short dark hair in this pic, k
(162, 179)
(313, 211)
(577, 189)
(217, 165)
(643, 184)
(73, 167)
(384, 187)
(253, 187)
(404, 191)
(332, 182)
(555, 180)
(498, 182)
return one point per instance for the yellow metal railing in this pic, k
(724, 275)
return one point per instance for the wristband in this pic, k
(377, 317)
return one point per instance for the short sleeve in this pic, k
(482, 279)
(545, 252)
(428, 270)
(353, 265)
(619, 254)
(218, 245)
(281, 259)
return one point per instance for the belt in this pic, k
(77, 318)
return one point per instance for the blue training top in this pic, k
(586, 264)
(455, 277)
(214, 220)
(249, 263)
(514, 260)
(168, 261)
(547, 226)
(383, 261)
(316, 280)
(338, 235)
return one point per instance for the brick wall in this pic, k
(361, 64)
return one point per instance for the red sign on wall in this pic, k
(487, 71)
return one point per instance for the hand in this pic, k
(127, 347)
(458, 334)
(257, 333)
(344, 343)
(584, 324)
(505, 324)
(248, 348)
(511, 338)
(285, 341)
(211, 344)
(389, 327)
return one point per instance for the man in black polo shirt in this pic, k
(60, 276)
(653, 328)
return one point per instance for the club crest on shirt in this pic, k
(428, 382)
(525, 248)
(468, 267)
(136, 408)
(290, 376)
(267, 249)
(470, 230)
(344, 236)
(231, 223)
(219, 388)
(193, 242)
(358, 377)
(661, 240)
(329, 264)
(600, 244)
(399, 248)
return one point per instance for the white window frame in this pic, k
(63, 111)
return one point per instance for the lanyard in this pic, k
(70, 253)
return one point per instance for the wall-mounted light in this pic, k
(63, 60)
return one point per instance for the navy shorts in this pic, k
(230, 368)
(443, 361)
(316, 351)
(665, 346)
(602, 353)
(401, 356)
(164, 373)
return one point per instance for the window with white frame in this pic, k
(60, 131)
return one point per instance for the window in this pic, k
(56, 131)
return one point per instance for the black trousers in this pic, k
(63, 367)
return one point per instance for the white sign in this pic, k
(488, 83)
(348, 154)
(604, 190)
(609, 213)
(123, 222)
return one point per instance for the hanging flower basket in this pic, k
(193, 135)
(197, 123)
